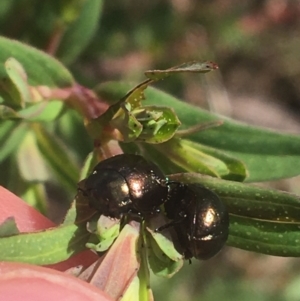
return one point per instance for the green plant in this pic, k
(45, 115)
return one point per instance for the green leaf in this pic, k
(162, 265)
(45, 247)
(129, 127)
(159, 124)
(80, 32)
(70, 127)
(236, 168)
(250, 201)
(132, 291)
(41, 69)
(5, 8)
(36, 196)
(55, 152)
(194, 157)
(18, 90)
(261, 220)
(8, 113)
(11, 135)
(267, 155)
(106, 230)
(152, 154)
(9, 227)
(195, 67)
(150, 124)
(135, 96)
(271, 238)
(164, 259)
(79, 211)
(166, 245)
(89, 164)
(127, 103)
(43, 111)
(30, 160)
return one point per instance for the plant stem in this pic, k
(144, 274)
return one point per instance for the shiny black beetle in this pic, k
(199, 218)
(129, 184)
(126, 184)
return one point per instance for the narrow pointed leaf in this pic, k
(43, 111)
(271, 238)
(55, 152)
(130, 101)
(80, 32)
(89, 163)
(195, 67)
(41, 69)
(45, 247)
(235, 169)
(11, 135)
(135, 96)
(191, 159)
(17, 86)
(30, 160)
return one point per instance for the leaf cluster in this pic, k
(50, 124)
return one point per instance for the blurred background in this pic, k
(256, 45)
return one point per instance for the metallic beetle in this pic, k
(199, 218)
(125, 184)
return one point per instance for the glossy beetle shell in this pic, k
(200, 219)
(124, 184)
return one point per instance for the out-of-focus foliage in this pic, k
(256, 45)
(254, 42)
